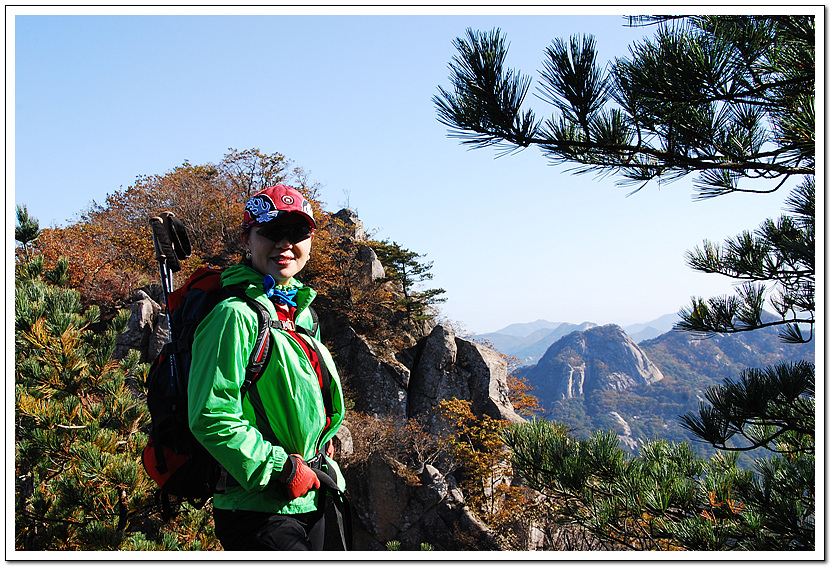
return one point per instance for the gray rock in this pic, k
(369, 266)
(448, 367)
(400, 504)
(140, 327)
(433, 377)
(379, 385)
(343, 441)
(345, 224)
(159, 337)
(488, 373)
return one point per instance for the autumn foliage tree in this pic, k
(476, 446)
(521, 397)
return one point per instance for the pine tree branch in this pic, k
(700, 328)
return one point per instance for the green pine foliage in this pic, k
(404, 267)
(27, 229)
(728, 97)
(80, 419)
(667, 497)
(779, 253)
(77, 433)
(773, 408)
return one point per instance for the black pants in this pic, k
(254, 530)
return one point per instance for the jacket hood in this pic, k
(251, 280)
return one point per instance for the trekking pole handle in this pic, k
(170, 241)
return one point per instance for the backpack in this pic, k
(181, 467)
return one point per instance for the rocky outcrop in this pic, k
(377, 384)
(411, 383)
(369, 267)
(412, 507)
(345, 224)
(447, 366)
(603, 358)
(391, 501)
(147, 329)
(346, 228)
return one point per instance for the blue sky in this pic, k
(102, 99)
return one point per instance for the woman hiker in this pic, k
(266, 436)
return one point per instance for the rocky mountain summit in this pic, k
(601, 358)
(390, 500)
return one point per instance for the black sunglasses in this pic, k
(294, 233)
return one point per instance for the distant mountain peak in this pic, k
(524, 329)
(601, 357)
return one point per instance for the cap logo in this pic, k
(262, 209)
(288, 199)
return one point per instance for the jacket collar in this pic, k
(251, 279)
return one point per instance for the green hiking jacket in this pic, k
(286, 398)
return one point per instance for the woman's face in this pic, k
(281, 259)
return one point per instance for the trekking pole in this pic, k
(171, 244)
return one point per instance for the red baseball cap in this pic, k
(268, 204)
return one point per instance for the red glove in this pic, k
(297, 477)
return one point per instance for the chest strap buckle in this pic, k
(287, 325)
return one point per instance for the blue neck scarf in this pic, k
(283, 295)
